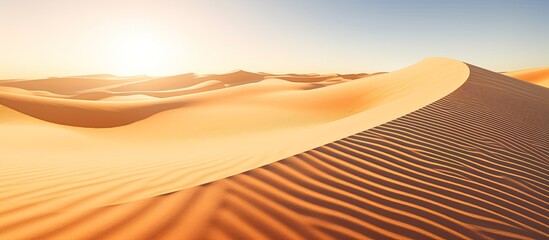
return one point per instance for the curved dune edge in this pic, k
(470, 165)
(217, 135)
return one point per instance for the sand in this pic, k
(437, 150)
(539, 76)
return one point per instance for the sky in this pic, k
(164, 37)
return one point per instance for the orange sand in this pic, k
(138, 160)
(539, 76)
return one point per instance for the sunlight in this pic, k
(140, 53)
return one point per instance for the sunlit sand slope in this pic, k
(189, 139)
(539, 76)
(473, 164)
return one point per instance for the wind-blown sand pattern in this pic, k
(472, 163)
(211, 135)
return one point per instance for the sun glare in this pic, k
(140, 53)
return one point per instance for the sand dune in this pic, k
(158, 84)
(197, 88)
(62, 109)
(417, 159)
(64, 85)
(211, 135)
(539, 76)
(187, 80)
(101, 86)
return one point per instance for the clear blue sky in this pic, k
(63, 37)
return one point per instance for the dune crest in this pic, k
(192, 139)
(469, 165)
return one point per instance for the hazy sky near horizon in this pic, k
(163, 37)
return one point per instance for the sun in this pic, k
(140, 52)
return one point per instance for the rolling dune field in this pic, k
(440, 150)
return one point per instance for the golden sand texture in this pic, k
(471, 164)
(539, 76)
(211, 135)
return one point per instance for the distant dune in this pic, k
(63, 85)
(438, 150)
(539, 76)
